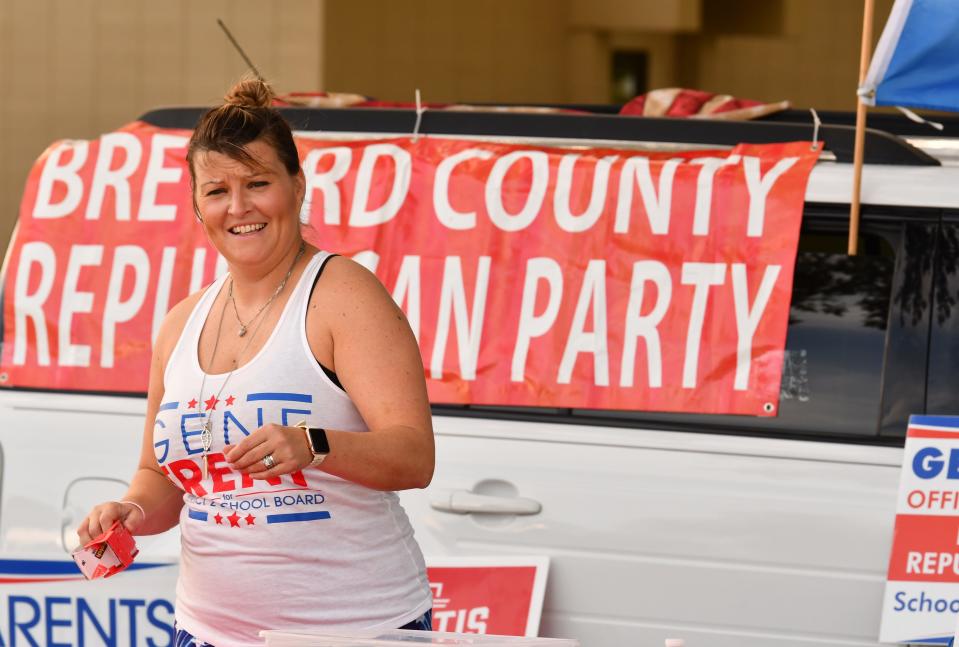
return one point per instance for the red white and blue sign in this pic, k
(49, 602)
(921, 602)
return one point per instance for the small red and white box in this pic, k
(107, 554)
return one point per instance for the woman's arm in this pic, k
(378, 362)
(160, 499)
(157, 500)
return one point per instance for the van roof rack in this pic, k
(881, 147)
(894, 123)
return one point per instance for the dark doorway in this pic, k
(630, 75)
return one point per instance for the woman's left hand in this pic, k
(286, 445)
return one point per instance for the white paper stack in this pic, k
(279, 638)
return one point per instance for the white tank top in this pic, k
(306, 550)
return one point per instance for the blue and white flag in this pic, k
(917, 59)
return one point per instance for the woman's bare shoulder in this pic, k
(356, 305)
(347, 285)
(174, 322)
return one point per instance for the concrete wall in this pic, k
(806, 51)
(79, 68)
(637, 15)
(561, 50)
(480, 51)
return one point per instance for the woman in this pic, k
(282, 526)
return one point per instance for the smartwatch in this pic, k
(317, 442)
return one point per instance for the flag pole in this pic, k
(864, 56)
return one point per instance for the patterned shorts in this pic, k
(184, 638)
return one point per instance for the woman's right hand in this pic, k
(102, 517)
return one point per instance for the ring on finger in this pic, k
(268, 461)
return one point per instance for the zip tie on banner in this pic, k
(919, 120)
(420, 109)
(816, 123)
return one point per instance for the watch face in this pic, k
(318, 440)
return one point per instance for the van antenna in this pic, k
(240, 50)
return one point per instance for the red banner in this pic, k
(539, 276)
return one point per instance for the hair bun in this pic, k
(250, 92)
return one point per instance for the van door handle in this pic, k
(466, 502)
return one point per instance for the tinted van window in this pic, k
(943, 394)
(832, 369)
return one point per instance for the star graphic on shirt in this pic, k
(211, 403)
(230, 400)
(191, 404)
(249, 519)
(218, 518)
(234, 520)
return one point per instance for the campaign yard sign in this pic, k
(50, 602)
(531, 275)
(921, 601)
(500, 595)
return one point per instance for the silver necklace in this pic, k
(245, 326)
(206, 435)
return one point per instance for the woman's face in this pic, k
(251, 215)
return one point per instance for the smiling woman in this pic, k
(294, 372)
(246, 206)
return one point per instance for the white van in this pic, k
(724, 530)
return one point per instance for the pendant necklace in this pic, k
(245, 326)
(206, 436)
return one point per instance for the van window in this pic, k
(943, 393)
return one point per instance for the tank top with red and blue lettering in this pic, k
(305, 550)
